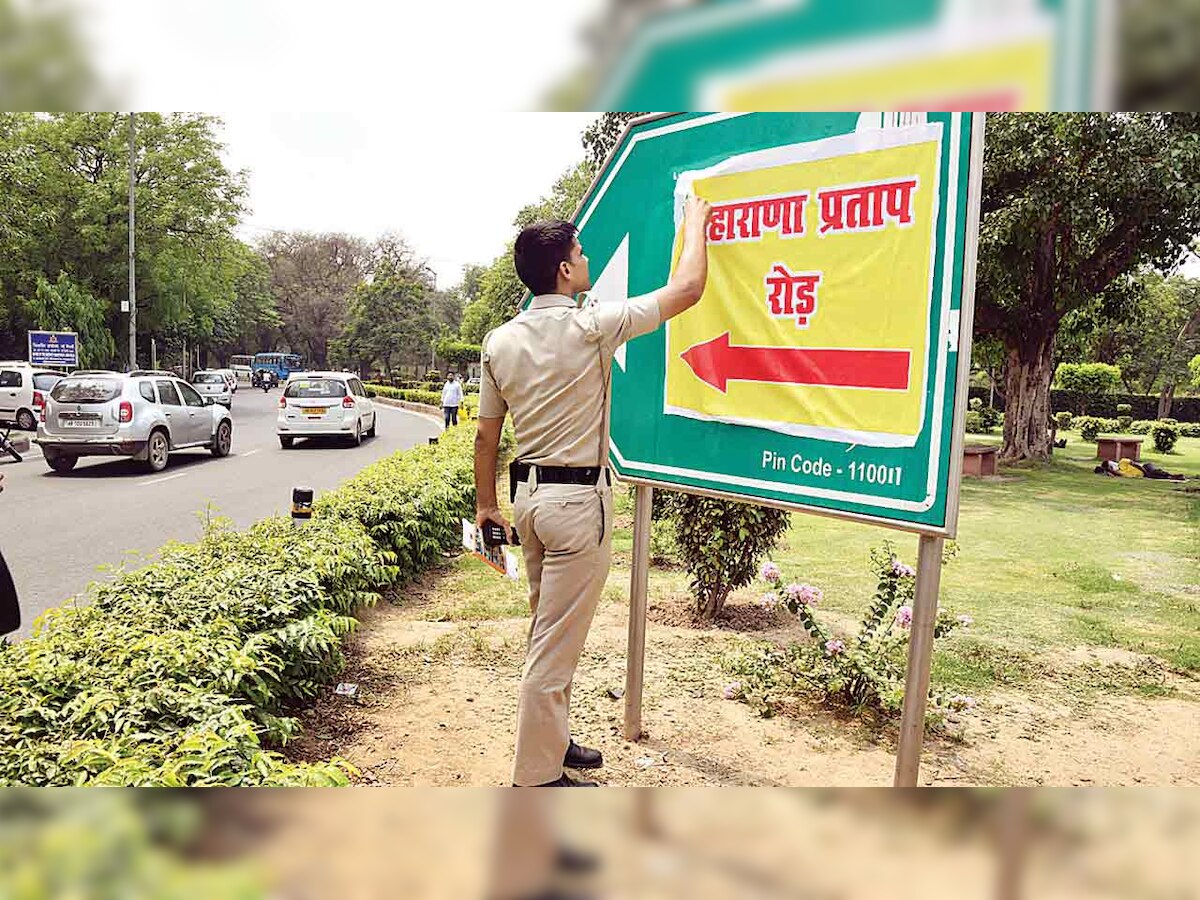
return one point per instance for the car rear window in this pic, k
(86, 389)
(315, 388)
(45, 381)
(208, 378)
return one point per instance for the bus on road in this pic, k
(282, 364)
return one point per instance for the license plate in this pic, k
(79, 423)
(316, 410)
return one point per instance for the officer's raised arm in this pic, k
(687, 282)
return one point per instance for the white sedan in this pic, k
(325, 404)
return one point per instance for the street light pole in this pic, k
(132, 287)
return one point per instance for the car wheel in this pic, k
(286, 442)
(61, 462)
(157, 451)
(223, 440)
(374, 422)
(26, 420)
(356, 439)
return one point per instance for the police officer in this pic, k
(551, 367)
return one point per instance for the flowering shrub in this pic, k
(864, 673)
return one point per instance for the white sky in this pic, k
(336, 54)
(417, 142)
(450, 182)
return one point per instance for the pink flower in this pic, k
(900, 570)
(769, 600)
(732, 690)
(834, 647)
(803, 594)
(904, 616)
(965, 621)
(769, 572)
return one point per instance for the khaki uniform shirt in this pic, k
(551, 367)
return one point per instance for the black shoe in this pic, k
(565, 780)
(580, 757)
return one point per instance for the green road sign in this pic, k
(825, 367)
(866, 54)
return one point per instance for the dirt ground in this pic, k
(436, 705)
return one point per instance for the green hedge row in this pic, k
(184, 673)
(429, 398)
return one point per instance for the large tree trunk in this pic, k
(1165, 398)
(1027, 380)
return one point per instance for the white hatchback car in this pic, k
(213, 383)
(23, 390)
(325, 404)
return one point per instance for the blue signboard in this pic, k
(54, 348)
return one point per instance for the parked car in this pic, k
(146, 415)
(326, 403)
(211, 383)
(23, 389)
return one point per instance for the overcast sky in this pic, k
(450, 182)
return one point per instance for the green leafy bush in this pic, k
(721, 542)
(183, 673)
(1124, 409)
(1063, 420)
(1189, 429)
(428, 398)
(1090, 380)
(1124, 423)
(974, 423)
(862, 674)
(1141, 426)
(1165, 436)
(990, 416)
(1090, 427)
(1169, 421)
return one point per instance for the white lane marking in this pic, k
(249, 452)
(161, 480)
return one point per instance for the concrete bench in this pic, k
(1118, 448)
(979, 460)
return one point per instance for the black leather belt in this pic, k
(588, 475)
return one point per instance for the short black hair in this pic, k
(539, 250)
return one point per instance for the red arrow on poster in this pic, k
(717, 362)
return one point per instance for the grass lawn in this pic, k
(1050, 558)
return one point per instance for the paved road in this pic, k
(55, 530)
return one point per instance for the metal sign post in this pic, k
(846, 398)
(638, 583)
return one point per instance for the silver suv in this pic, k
(144, 414)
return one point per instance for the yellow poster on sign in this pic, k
(815, 318)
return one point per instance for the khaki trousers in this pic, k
(566, 534)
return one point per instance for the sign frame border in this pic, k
(963, 363)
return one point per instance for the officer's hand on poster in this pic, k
(696, 213)
(10, 612)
